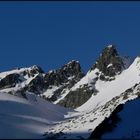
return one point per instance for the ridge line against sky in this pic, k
(50, 34)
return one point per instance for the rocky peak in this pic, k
(72, 68)
(63, 78)
(63, 74)
(31, 71)
(109, 62)
(18, 76)
(36, 69)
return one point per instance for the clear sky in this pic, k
(51, 34)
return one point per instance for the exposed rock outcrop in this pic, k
(109, 62)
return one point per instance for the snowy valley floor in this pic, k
(20, 118)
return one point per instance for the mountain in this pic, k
(66, 103)
(51, 85)
(107, 66)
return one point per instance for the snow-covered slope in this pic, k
(22, 118)
(109, 89)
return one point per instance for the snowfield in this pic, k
(21, 118)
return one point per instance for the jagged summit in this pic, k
(37, 68)
(72, 63)
(72, 67)
(109, 62)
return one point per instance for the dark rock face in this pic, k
(110, 57)
(71, 69)
(52, 78)
(65, 77)
(9, 81)
(36, 85)
(57, 77)
(76, 98)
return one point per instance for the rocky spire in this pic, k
(72, 68)
(109, 62)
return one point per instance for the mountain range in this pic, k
(67, 103)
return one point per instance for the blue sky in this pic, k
(51, 34)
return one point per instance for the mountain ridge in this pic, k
(57, 86)
(87, 99)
